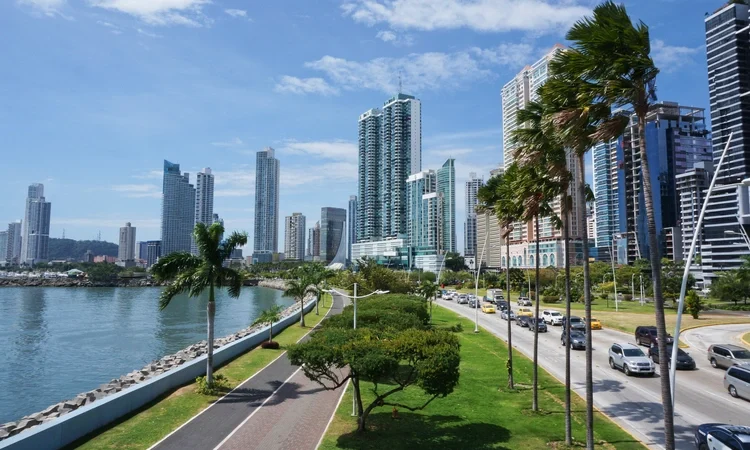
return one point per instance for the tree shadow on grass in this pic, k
(416, 431)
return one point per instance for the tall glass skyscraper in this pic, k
(390, 149)
(605, 204)
(177, 210)
(446, 189)
(35, 240)
(727, 50)
(204, 200)
(470, 227)
(351, 226)
(332, 232)
(266, 236)
(422, 198)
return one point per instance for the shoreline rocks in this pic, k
(149, 371)
(76, 282)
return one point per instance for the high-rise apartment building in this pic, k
(727, 49)
(490, 242)
(332, 231)
(3, 246)
(265, 239)
(204, 200)
(470, 226)
(177, 210)
(126, 250)
(606, 197)
(446, 189)
(153, 252)
(431, 227)
(294, 237)
(516, 94)
(13, 247)
(351, 226)
(313, 241)
(35, 239)
(390, 149)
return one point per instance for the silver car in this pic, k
(631, 359)
(737, 382)
(728, 355)
(462, 299)
(504, 315)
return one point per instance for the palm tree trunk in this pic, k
(661, 326)
(587, 302)
(302, 311)
(211, 312)
(317, 304)
(510, 335)
(535, 394)
(566, 239)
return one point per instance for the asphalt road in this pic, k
(278, 404)
(701, 338)
(633, 402)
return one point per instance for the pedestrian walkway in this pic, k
(278, 408)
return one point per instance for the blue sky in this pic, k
(96, 93)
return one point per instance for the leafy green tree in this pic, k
(194, 274)
(428, 290)
(428, 360)
(299, 288)
(454, 262)
(693, 304)
(730, 286)
(269, 316)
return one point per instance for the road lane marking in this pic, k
(341, 397)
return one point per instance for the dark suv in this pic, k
(647, 336)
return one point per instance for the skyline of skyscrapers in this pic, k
(36, 224)
(178, 210)
(266, 232)
(294, 237)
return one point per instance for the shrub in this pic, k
(457, 328)
(627, 297)
(270, 344)
(548, 299)
(693, 304)
(220, 383)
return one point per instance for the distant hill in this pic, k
(69, 248)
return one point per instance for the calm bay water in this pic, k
(58, 342)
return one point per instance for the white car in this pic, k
(524, 301)
(631, 359)
(551, 317)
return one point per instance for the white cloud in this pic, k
(294, 85)
(386, 36)
(47, 7)
(235, 142)
(669, 58)
(339, 150)
(160, 12)
(239, 182)
(419, 71)
(236, 12)
(148, 33)
(399, 40)
(479, 15)
(506, 54)
(138, 190)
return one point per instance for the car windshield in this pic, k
(575, 320)
(652, 332)
(741, 354)
(594, 320)
(632, 352)
(554, 313)
(576, 335)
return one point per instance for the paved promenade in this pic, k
(279, 408)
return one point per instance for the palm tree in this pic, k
(193, 274)
(428, 290)
(299, 288)
(611, 63)
(497, 197)
(317, 274)
(269, 316)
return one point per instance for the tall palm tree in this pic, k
(299, 288)
(269, 316)
(317, 274)
(545, 177)
(497, 197)
(193, 274)
(611, 57)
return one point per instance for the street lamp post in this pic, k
(354, 301)
(614, 277)
(632, 286)
(476, 285)
(686, 272)
(643, 300)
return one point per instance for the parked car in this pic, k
(646, 335)
(717, 436)
(488, 308)
(728, 355)
(576, 323)
(524, 301)
(631, 359)
(463, 299)
(595, 324)
(552, 317)
(577, 339)
(507, 313)
(737, 382)
(684, 361)
(539, 323)
(525, 312)
(523, 321)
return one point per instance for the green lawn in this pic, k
(156, 420)
(480, 414)
(746, 338)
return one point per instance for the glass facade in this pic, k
(266, 236)
(177, 210)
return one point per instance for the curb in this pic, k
(691, 327)
(744, 341)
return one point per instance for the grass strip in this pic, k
(481, 413)
(157, 419)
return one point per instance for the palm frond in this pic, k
(236, 239)
(181, 284)
(170, 266)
